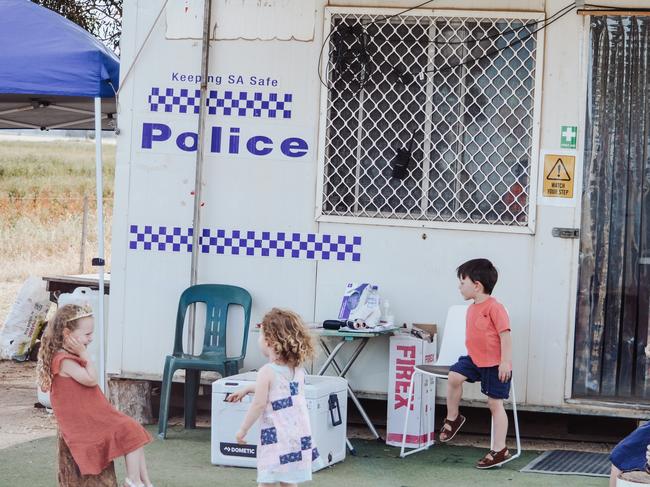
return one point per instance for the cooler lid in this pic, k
(316, 385)
(324, 385)
(233, 382)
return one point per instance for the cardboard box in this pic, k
(425, 331)
(407, 351)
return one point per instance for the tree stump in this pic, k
(69, 475)
(133, 398)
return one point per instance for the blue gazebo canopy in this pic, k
(47, 61)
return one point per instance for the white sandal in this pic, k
(128, 482)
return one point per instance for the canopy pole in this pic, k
(198, 181)
(99, 260)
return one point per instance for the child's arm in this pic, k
(87, 375)
(241, 393)
(264, 378)
(505, 367)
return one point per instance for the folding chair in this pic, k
(452, 347)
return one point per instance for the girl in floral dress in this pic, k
(285, 449)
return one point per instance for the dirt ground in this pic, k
(20, 421)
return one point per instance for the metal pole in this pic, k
(198, 182)
(99, 260)
(84, 230)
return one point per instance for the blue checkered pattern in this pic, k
(305, 443)
(287, 402)
(309, 246)
(174, 239)
(269, 436)
(291, 457)
(229, 103)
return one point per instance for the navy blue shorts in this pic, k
(491, 386)
(629, 454)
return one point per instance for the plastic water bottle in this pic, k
(387, 319)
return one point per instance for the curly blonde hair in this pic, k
(66, 317)
(288, 337)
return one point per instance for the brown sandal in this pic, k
(445, 434)
(498, 459)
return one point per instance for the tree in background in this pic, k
(102, 18)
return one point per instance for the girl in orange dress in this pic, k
(95, 432)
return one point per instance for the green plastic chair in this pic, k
(217, 298)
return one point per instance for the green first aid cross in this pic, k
(568, 136)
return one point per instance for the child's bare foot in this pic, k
(450, 428)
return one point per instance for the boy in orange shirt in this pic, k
(488, 359)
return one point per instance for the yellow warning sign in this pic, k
(558, 176)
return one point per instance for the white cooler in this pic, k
(327, 405)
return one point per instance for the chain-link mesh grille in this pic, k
(390, 82)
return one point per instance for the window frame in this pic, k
(320, 216)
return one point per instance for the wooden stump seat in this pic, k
(69, 475)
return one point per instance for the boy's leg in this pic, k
(500, 419)
(462, 371)
(454, 420)
(454, 394)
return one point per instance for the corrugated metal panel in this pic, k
(613, 295)
(244, 19)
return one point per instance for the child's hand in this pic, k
(72, 345)
(504, 371)
(241, 437)
(237, 395)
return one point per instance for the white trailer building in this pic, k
(527, 126)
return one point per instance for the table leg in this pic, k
(330, 357)
(354, 356)
(342, 372)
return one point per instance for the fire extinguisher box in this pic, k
(327, 405)
(407, 351)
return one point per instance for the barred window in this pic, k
(452, 89)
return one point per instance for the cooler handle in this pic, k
(334, 405)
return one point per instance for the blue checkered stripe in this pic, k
(174, 239)
(309, 246)
(229, 103)
(283, 403)
(291, 457)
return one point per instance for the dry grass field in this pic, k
(42, 188)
